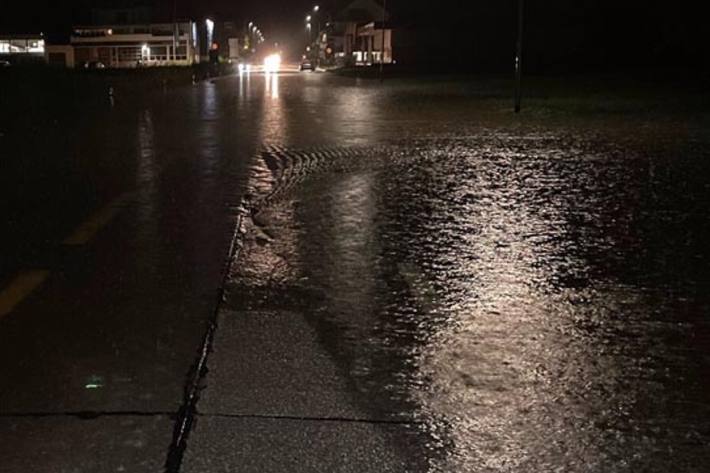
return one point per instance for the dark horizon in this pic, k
(600, 35)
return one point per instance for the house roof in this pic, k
(9, 36)
(362, 11)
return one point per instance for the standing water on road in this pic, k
(521, 299)
(424, 281)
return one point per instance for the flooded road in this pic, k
(423, 282)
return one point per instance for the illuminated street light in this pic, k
(210, 31)
(316, 9)
(519, 59)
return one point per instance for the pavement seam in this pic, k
(351, 420)
(187, 411)
(86, 415)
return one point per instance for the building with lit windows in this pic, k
(20, 48)
(358, 36)
(139, 45)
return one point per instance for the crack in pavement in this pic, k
(87, 415)
(354, 420)
(90, 415)
(186, 413)
(283, 165)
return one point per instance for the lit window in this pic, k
(36, 46)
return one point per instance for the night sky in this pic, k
(48, 14)
(560, 34)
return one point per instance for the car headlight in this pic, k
(272, 63)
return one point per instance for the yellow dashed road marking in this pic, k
(90, 227)
(19, 288)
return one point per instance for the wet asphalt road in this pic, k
(423, 282)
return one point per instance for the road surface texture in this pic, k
(307, 273)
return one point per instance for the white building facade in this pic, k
(360, 35)
(23, 48)
(128, 46)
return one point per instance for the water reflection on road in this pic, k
(274, 126)
(497, 290)
(474, 291)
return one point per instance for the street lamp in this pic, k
(210, 32)
(176, 30)
(316, 9)
(519, 59)
(382, 51)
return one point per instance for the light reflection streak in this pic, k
(350, 241)
(272, 84)
(209, 132)
(352, 238)
(244, 87)
(147, 172)
(509, 351)
(359, 114)
(273, 129)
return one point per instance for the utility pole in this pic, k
(519, 58)
(382, 51)
(176, 31)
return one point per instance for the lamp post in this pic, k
(176, 32)
(210, 32)
(254, 35)
(316, 9)
(382, 51)
(314, 42)
(519, 59)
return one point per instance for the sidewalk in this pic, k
(278, 396)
